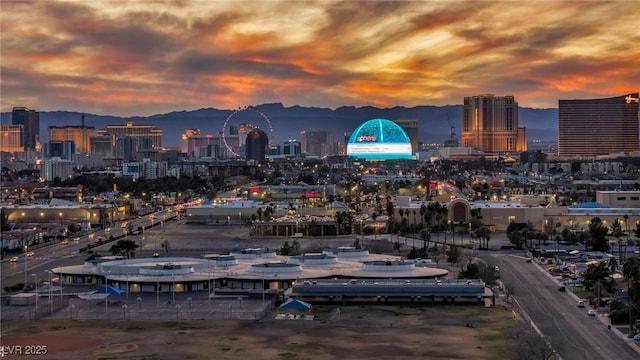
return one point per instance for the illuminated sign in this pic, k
(367, 138)
(629, 99)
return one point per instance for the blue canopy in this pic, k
(295, 304)
(109, 290)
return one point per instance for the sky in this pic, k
(139, 58)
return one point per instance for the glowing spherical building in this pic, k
(379, 139)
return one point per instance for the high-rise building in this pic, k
(30, 120)
(257, 144)
(598, 126)
(60, 149)
(103, 145)
(56, 168)
(127, 146)
(80, 135)
(12, 138)
(150, 135)
(490, 123)
(410, 127)
(198, 141)
(243, 130)
(319, 143)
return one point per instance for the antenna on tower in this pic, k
(452, 141)
(453, 128)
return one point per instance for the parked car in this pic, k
(155, 255)
(14, 259)
(592, 313)
(636, 336)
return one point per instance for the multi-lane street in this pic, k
(36, 267)
(567, 327)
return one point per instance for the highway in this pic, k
(56, 254)
(568, 328)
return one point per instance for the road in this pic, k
(28, 269)
(568, 328)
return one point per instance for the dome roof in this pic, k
(379, 131)
(379, 139)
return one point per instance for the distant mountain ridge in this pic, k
(287, 122)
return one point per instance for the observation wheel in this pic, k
(225, 125)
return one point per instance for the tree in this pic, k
(597, 276)
(631, 272)
(484, 235)
(397, 246)
(115, 250)
(165, 245)
(616, 232)
(425, 235)
(128, 247)
(285, 249)
(4, 221)
(598, 233)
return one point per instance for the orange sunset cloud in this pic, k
(128, 58)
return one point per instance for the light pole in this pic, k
(173, 279)
(157, 288)
(36, 288)
(50, 299)
(262, 272)
(25, 265)
(106, 293)
(212, 286)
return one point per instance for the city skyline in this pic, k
(133, 59)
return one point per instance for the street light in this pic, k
(50, 299)
(173, 279)
(106, 293)
(262, 272)
(36, 288)
(157, 288)
(25, 265)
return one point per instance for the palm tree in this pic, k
(616, 232)
(425, 235)
(423, 211)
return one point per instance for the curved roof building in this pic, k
(379, 139)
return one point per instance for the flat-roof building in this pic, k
(598, 127)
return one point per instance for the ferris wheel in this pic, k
(225, 125)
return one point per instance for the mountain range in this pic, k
(436, 123)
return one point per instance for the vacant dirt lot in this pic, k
(355, 333)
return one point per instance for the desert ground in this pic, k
(383, 332)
